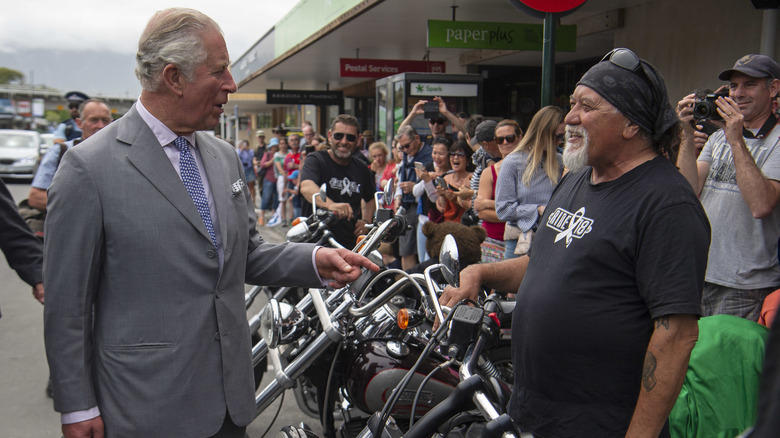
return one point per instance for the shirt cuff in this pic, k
(324, 283)
(79, 416)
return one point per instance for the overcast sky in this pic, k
(107, 28)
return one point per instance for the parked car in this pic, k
(20, 153)
(47, 141)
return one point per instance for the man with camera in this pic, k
(438, 116)
(737, 177)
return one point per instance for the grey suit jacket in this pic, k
(168, 349)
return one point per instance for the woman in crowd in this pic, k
(425, 189)
(451, 204)
(527, 177)
(379, 163)
(485, 203)
(247, 160)
(391, 170)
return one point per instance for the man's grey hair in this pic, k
(173, 36)
(84, 104)
(407, 131)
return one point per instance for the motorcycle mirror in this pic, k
(448, 257)
(389, 192)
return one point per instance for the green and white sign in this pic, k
(497, 36)
(443, 89)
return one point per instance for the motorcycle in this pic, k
(353, 333)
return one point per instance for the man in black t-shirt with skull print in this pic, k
(350, 185)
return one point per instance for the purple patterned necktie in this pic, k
(190, 175)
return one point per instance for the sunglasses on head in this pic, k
(340, 135)
(623, 58)
(509, 139)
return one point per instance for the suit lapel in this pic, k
(148, 157)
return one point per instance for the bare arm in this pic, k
(454, 120)
(309, 188)
(484, 203)
(504, 276)
(417, 110)
(663, 373)
(694, 171)
(760, 194)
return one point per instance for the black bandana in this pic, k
(640, 96)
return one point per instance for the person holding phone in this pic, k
(450, 203)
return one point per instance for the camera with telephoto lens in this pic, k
(705, 108)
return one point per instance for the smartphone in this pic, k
(440, 182)
(431, 110)
(419, 165)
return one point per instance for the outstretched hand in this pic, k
(341, 265)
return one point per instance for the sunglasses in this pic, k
(438, 122)
(340, 135)
(457, 154)
(623, 58)
(509, 139)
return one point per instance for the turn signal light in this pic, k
(296, 221)
(403, 318)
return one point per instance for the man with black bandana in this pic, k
(737, 176)
(608, 296)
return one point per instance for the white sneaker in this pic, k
(275, 220)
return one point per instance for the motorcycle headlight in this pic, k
(271, 324)
(281, 323)
(298, 233)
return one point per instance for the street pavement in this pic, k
(25, 411)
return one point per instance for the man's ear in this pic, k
(631, 130)
(774, 88)
(173, 79)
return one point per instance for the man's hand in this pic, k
(406, 186)
(470, 284)
(733, 120)
(341, 265)
(360, 227)
(417, 109)
(342, 210)
(37, 291)
(92, 428)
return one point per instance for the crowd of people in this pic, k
(619, 225)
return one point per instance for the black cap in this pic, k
(76, 96)
(755, 66)
(486, 131)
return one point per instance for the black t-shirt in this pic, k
(606, 260)
(349, 184)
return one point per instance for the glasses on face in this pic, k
(438, 122)
(338, 136)
(404, 146)
(457, 154)
(73, 106)
(509, 139)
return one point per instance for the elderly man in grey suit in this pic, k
(149, 241)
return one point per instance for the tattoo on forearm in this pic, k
(648, 372)
(662, 321)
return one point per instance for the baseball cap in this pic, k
(273, 142)
(486, 131)
(260, 133)
(293, 175)
(755, 66)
